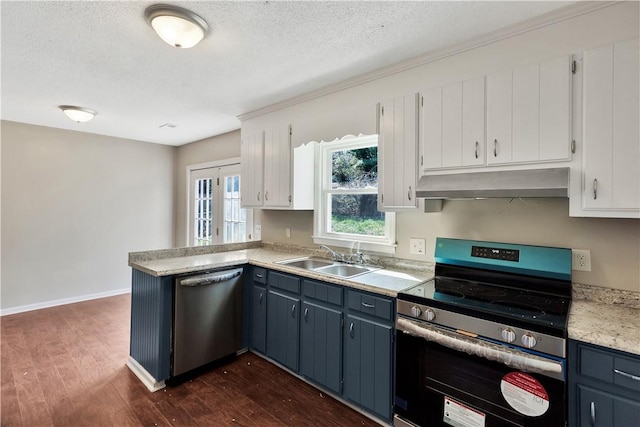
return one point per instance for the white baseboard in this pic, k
(144, 375)
(53, 303)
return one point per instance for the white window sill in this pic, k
(355, 245)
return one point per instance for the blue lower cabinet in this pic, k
(259, 319)
(368, 365)
(283, 329)
(604, 390)
(151, 320)
(321, 346)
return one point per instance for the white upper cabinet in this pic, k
(275, 175)
(610, 184)
(452, 125)
(397, 153)
(252, 160)
(529, 113)
(277, 167)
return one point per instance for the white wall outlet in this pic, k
(287, 232)
(257, 232)
(580, 259)
(417, 246)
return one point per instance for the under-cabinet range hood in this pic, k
(516, 183)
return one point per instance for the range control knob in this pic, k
(429, 314)
(416, 311)
(508, 335)
(529, 340)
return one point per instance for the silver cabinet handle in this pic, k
(258, 196)
(409, 193)
(495, 148)
(421, 160)
(477, 149)
(627, 375)
(259, 276)
(306, 314)
(266, 195)
(260, 298)
(595, 188)
(593, 414)
(293, 310)
(365, 305)
(351, 330)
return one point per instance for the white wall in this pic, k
(73, 206)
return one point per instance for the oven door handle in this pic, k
(513, 358)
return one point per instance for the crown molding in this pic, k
(550, 18)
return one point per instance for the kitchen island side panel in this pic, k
(151, 311)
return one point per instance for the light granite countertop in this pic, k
(387, 281)
(602, 316)
(605, 317)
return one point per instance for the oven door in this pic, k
(437, 385)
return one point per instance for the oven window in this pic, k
(430, 375)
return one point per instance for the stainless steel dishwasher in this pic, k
(207, 318)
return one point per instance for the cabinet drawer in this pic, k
(260, 275)
(284, 282)
(322, 292)
(601, 409)
(610, 367)
(376, 306)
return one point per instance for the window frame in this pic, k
(383, 244)
(218, 205)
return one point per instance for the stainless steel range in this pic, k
(484, 342)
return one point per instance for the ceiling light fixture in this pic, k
(177, 26)
(78, 114)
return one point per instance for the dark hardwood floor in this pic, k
(65, 366)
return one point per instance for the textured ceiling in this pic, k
(103, 55)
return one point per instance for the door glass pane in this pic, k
(202, 209)
(235, 217)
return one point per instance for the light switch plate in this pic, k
(417, 246)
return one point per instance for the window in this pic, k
(214, 211)
(347, 197)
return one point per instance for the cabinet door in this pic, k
(321, 346)
(283, 329)
(452, 125)
(252, 158)
(473, 122)
(277, 167)
(525, 114)
(369, 365)
(611, 155)
(398, 148)
(431, 129)
(499, 117)
(555, 109)
(259, 319)
(600, 409)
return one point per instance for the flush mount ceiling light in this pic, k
(78, 114)
(177, 26)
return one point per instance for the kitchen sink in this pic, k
(346, 270)
(332, 268)
(307, 263)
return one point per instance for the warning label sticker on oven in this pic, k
(525, 394)
(458, 415)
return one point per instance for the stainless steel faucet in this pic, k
(335, 255)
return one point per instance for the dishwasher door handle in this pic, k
(207, 279)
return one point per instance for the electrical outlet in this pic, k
(417, 246)
(257, 232)
(287, 232)
(580, 260)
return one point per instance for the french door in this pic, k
(215, 215)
